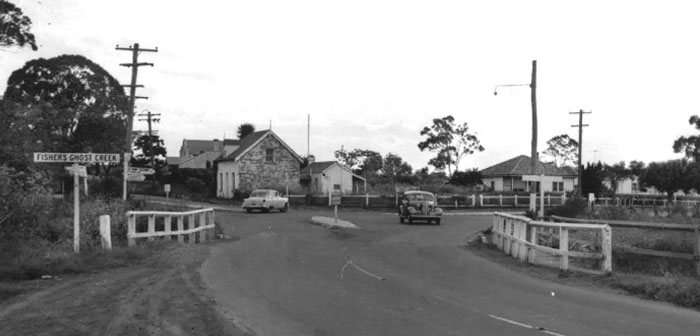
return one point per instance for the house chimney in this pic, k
(311, 159)
(217, 145)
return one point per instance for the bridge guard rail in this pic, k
(192, 226)
(520, 237)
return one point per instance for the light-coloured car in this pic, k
(419, 205)
(266, 200)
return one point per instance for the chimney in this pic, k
(217, 145)
(311, 159)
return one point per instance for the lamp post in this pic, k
(533, 102)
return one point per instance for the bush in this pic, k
(195, 184)
(574, 207)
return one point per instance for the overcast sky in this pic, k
(372, 74)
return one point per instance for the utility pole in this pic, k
(580, 149)
(136, 50)
(150, 118)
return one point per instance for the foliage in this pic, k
(592, 179)
(244, 130)
(364, 162)
(561, 150)
(63, 104)
(147, 148)
(394, 168)
(15, 27)
(467, 178)
(689, 145)
(179, 177)
(615, 174)
(572, 208)
(670, 176)
(450, 142)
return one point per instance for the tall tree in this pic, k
(395, 168)
(244, 130)
(592, 179)
(450, 142)
(689, 145)
(669, 176)
(66, 103)
(15, 27)
(146, 148)
(561, 150)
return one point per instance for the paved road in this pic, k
(285, 276)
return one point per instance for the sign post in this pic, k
(127, 158)
(167, 191)
(335, 201)
(76, 170)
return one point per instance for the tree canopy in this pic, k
(15, 27)
(670, 176)
(450, 142)
(689, 145)
(147, 148)
(65, 103)
(244, 130)
(561, 150)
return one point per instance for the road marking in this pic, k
(349, 262)
(525, 325)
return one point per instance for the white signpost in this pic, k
(76, 158)
(134, 173)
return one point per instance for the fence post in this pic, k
(180, 228)
(607, 249)
(563, 198)
(190, 226)
(549, 200)
(456, 204)
(516, 200)
(481, 200)
(564, 248)
(202, 223)
(131, 230)
(533, 240)
(151, 225)
(105, 232)
(500, 200)
(367, 200)
(168, 225)
(473, 201)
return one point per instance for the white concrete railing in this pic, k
(188, 225)
(518, 236)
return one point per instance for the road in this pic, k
(286, 276)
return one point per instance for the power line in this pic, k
(135, 64)
(580, 148)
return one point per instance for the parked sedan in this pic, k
(419, 205)
(265, 200)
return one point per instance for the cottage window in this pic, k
(557, 186)
(269, 155)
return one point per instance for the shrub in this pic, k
(195, 184)
(574, 207)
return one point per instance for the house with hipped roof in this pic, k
(262, 160)
(515, 175)
(322, 177)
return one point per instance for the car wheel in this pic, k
(285, 208)
(249, 210)
(266, 210)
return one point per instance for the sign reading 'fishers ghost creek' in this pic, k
(77, 157)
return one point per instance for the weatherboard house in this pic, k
(262, 160)
(515, 175)
(322, 177)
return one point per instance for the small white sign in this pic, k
(166, 188)
(82, 171)
(144, 171)
(77, 157)
(135, 177)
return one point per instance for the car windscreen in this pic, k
(261, 194)
(419, 197)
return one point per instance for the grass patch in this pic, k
(680, 290)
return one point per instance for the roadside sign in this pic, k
(144, 171)
(77, 157)
(335, 198)
(135, 177)
(82, 171)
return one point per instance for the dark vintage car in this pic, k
(419, 206)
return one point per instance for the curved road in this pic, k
(285, 276)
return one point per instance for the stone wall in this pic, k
(256, 173)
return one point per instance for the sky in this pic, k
(372, 74)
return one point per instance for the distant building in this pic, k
(515, 175)
(201, 154)
(331, 175)
(261, 160)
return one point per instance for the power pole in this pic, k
(135, 49)
(150, 119)
(580, 146)
(533, 101)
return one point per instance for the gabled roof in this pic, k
(520, 165)
(251, 141)
(172, 160)
(320, 167)
(196, 147)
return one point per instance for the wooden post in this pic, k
(564, 247)
(456, 204)
(105, 232)
(131, 229)
(167, 220)
(516, 200)
(180, 228)
(549, 200)
(481, 200)
(473, 201)
(500, 200)
(191, 225)
(202, 223)
(76, 209)
(522, 250)
(151, 225)
(367, 200)
(533, 240)
(607, 249)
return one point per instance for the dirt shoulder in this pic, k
(163, 295)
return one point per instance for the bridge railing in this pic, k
(546, 243)
(191, 226)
